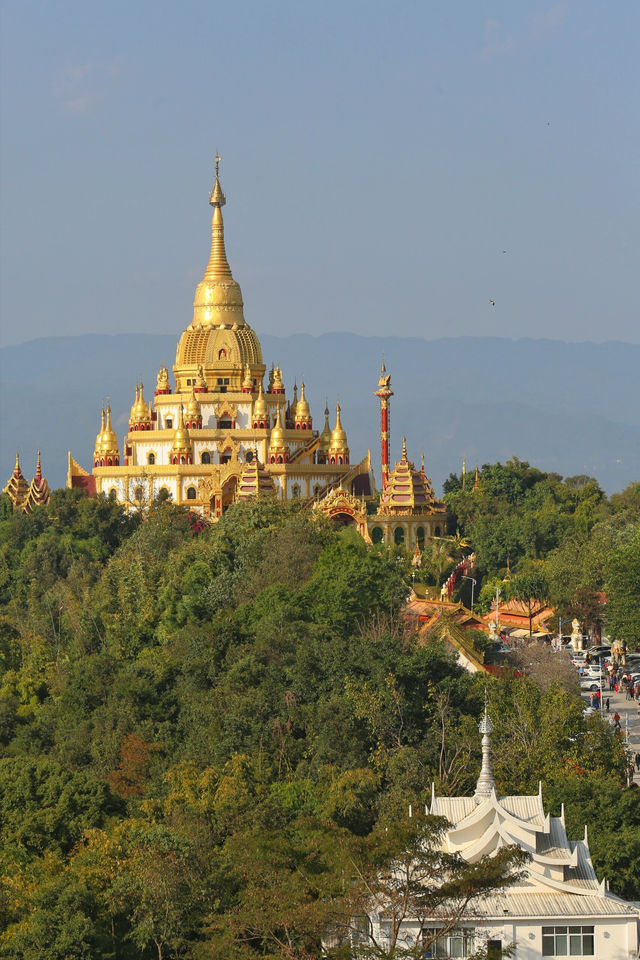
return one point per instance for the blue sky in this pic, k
(389, 167)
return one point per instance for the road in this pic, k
(628, 710)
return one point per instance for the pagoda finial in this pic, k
(217, 197)
(485, 785)
(38, 468)
(404, 448)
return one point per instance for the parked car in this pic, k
(590, 684)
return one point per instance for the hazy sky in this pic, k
(390, 167)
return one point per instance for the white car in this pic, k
(591, 683)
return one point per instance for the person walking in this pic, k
(606, 704)
(637, 760)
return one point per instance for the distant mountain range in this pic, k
(573, 408)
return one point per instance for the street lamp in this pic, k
(473, 586)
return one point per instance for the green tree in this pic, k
(622, 587)
(532, 590)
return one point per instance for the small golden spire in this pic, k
(404, 448)
(38, 468)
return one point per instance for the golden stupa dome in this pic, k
(277, 439)
(260, 405)
(302, 407)
(255, 481)
(325, 436)
(181, 436)
(338, 434)
(140, 411)
(218, 338)
(109, 439)
(193, 408)
(408, 489)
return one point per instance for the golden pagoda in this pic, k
(204, 435)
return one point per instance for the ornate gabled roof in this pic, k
(16, 487)
(408, 490)
(38, 493)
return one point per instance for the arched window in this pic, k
(113, 494)
(316, 490)
(420, 537)
(168, 423)
(377, 535)
(206, 457)
(191, 493)
(295, 491)
(248, 456)
(138, 494)
(398, 535)
(279, 459)
(437, 532)
(151, 458)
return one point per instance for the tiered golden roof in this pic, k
(408, 490)
(255, 482)
(181, 439)
(17, 487)
(39, 492)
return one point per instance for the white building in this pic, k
(558, 909)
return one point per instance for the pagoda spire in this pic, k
(485, 785)
(218, 266)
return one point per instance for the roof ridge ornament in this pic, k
(486, 785)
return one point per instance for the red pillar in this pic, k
(384, 392)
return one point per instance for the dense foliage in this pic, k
(201, 729)
(539, 537)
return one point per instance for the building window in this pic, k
(224, 424)
(113, 494)
(191, 493)
(420, 537)
(455, 943)
(437, 532)
(398, 535)
(151, 458)
(248, 456)
(567, 941)
(225, 457)
(377, 535)
(138, 494)
(205, 457)
(295, 491)
(317, 490)
(168, 423)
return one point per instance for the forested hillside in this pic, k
(201, 728)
